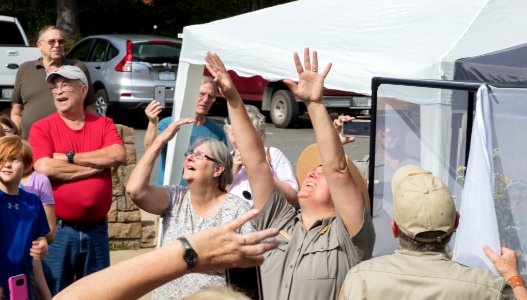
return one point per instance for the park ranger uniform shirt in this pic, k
(309, 263)
(420, 275)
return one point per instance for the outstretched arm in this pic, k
(344, 191)
(217, 248)
(248, 142)
(148, 197)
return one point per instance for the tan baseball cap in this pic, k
(422, 203)
(70, 72)
(309, 159)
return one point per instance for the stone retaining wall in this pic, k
(124, 217)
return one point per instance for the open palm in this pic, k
(310, 84)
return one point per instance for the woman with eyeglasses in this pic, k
(204, 203)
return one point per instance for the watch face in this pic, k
(191, 257)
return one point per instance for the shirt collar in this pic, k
(321, 222)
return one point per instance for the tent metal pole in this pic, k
(373, 137)
(470, 121)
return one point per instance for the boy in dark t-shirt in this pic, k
(22, 217)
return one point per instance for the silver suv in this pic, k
(125, 68)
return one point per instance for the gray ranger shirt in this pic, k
(309, 264)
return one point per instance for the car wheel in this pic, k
(284, 109)
(101, 102)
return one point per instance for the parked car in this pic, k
(284, 109)
(14, 50)
(126, 68)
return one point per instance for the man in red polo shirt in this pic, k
(76, 151)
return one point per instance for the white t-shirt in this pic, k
(281, 168)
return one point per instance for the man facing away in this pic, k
(425, 218)
(31, 99)
(76, 151)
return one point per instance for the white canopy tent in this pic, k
(413, 39)
(418, 39)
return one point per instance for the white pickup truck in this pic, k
(14, 50)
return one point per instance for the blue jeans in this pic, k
(75, 254)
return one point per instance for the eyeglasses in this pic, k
(8, 131)
(63, 86)
(209, 97)
(200, 155)
(52, 42)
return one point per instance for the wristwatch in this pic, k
(70, 154)
(189, 255)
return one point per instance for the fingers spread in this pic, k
(261, 248)
(257, 237)
(249, 261)
(239, 221)
(326, 70)
(315, 61)
(490, 253)
(307, 62)
(298, 64)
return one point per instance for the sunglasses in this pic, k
(53, 41)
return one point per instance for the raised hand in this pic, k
(506, 262)
(237, 162)
(172, 129)
(152, 111)
(221, 76)
(337, 123)
(310, 84)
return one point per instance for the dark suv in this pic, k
(125, 68)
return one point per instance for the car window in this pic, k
(156, 52)
(10, 34)
(99, 49)
(81, 51)
(112, 52)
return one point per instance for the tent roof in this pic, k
(507, 66)
(417, 39)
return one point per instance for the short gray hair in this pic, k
(209, 80)
(408, 243)
(45, 29)
(220, 153)
(257, 119)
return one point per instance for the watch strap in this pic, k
(515, 281)
(189, 255)
(69, 155)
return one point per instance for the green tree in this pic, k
(67, 18)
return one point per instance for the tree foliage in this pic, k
(129, 16)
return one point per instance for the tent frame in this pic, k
(470, 87)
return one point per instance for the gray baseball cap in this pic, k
(69, 72)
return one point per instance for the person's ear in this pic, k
(395, 229)
(219, 170)
(84, 90)
(28, 169)
(456, 224)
